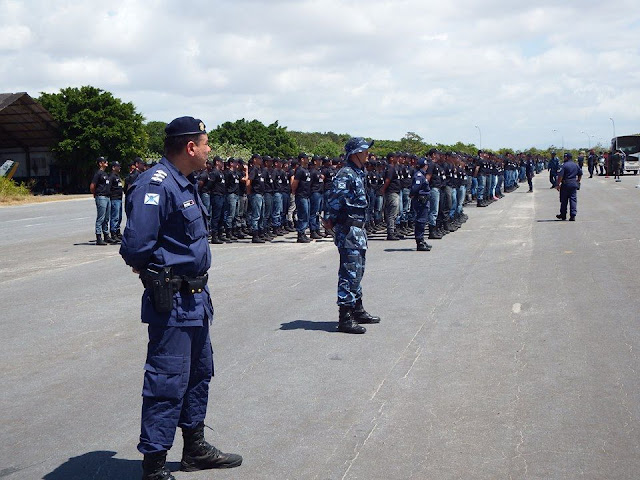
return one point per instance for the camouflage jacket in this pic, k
(346, 205)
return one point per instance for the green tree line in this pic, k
(93, 122)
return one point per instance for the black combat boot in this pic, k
(238, 233)
(481, 203)
(230, 235)
(302, 238)
(153, 467)
(256, 237)
(215, 240)
(315, 235)
(109, 239)
(99, 240)
(433, 233)
(197, 454)
(118, 235)
(346, 323)
(422, 246)
(360, 315)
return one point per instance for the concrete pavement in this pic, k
(508, 351)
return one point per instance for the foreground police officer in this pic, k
(569, 178)
(165, 241)
(346, 214)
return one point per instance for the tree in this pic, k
(155, 132)
(412, 143)
(92, 122)
(254, 135)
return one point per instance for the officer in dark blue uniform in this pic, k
(346, 214)
(420, 196)
(165, 241)
(569, 178)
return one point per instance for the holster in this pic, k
(161, 286)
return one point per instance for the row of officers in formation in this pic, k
(267, 197)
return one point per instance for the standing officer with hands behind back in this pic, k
(165, 241)
(346, 214)
(569, 178)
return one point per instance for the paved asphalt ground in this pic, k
(510, 351)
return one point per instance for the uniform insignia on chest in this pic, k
(158, 177)
(188, 203)
(152, 199)
(342, 185)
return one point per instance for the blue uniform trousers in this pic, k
(178, 369)
(230, 209)
(217, 213)
(568, 194)
(276, 215)
(315, 207)
(421, 209)
(116, 215)
(103, 207)
(302, 211)
(352, 262)
(256, 202)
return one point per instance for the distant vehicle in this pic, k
(630, 145)
(8, 169)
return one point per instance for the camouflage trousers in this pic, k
(350, 274)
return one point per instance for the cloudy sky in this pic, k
(526, 73)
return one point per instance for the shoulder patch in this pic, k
(342, 185)
(158, 177)
(152, 199)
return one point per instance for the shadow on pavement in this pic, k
(549, 220)
(309, 325)
(399, 249)
(100, 465)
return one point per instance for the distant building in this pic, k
(27, 133)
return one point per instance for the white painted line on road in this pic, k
(22, 219)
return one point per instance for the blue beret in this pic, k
(184, 126)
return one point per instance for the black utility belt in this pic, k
(350, 222)
(176, 283)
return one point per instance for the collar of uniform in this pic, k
(354, 166)
(177, 174)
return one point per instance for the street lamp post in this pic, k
(479, 132)
(562, 138)
(614, 132)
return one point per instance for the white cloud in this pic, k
(375, 68)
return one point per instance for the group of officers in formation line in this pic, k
(268, 197)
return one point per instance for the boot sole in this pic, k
(193, 468)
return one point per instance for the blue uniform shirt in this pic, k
(420, 185)
(167, 227)
(347, 202)
(570, 173)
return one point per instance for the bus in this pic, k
(630, 145)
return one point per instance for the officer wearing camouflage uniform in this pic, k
(346, 214)
(165, 241)
(420, 196)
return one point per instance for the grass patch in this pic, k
(10, 191)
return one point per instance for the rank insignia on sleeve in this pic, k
(152, 199)
(158, 177)
(342, 185)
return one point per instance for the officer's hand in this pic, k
(135, 271)
(558, 188)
